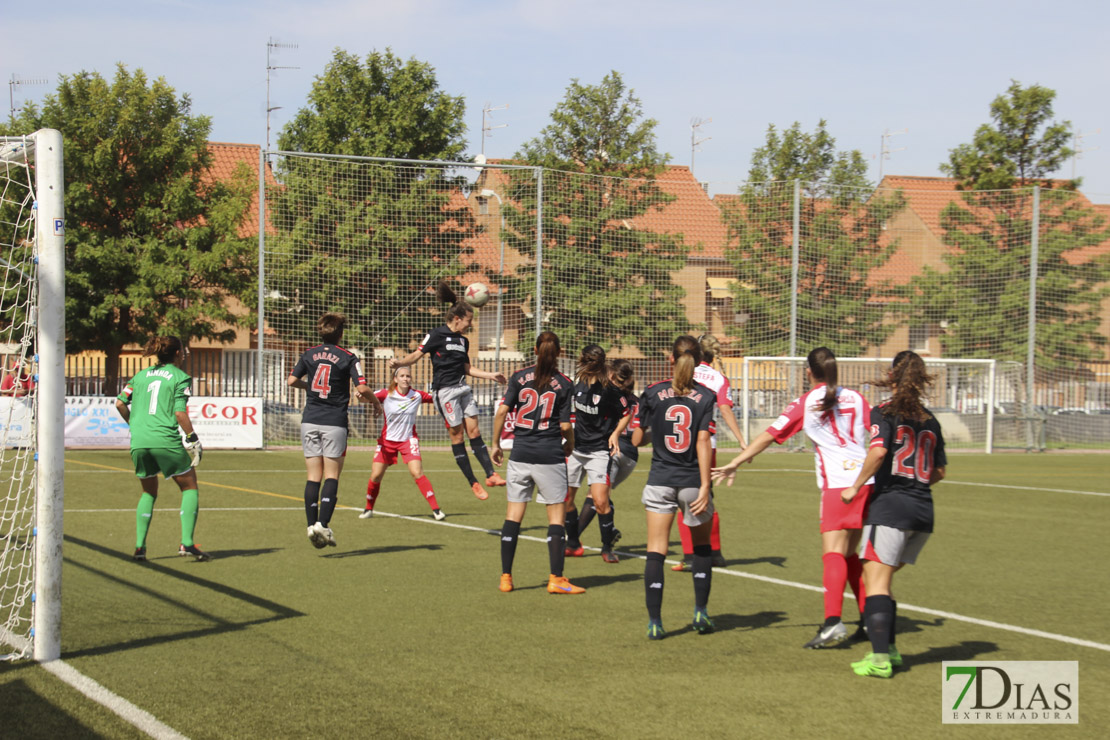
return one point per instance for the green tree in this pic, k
(367, 238)
(152, 238)
(839, 304)
(1021, 148)
(982, 295)
(605, 279)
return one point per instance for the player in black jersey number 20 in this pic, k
(906, 456)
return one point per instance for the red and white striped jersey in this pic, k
(839, 435)
(400, 413)
(715, 381)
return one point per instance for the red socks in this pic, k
(834, 579)
(425, 487)
(372, 490)
(855, 579)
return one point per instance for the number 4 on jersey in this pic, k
(321, 381)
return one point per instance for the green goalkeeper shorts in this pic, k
(151, 461)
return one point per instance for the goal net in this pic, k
(31, 262)
(969, 396)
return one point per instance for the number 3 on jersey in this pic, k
(321, 381)
(681, 418)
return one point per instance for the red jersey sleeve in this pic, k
(724, 395)
(789, 422)
(426, 397)
(382, 394)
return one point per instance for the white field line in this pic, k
(140, 718)
(805, 471)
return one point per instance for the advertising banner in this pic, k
(221, 423)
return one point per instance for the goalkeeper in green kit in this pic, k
(154, 405)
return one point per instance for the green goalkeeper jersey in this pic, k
(155, 395)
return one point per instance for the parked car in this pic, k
(1070, 411)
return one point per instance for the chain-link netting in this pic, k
(17, 396)
(771, 269)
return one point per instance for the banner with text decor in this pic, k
(220, 422)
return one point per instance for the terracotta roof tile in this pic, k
(226, 158)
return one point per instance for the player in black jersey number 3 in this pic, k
(680, 415)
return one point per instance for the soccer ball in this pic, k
(477, 294)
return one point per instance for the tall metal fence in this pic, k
(772, 269)
(1021, 277)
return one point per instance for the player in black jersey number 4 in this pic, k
(906, 456)
(680, 415)
(450, 351)
(329, 370)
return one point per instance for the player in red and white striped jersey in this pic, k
(401, 403)
(835, 419)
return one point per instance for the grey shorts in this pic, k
(594, 464)
(891, 546)
(323, 441)
(620, 468)
(522, 478)
(456, 403)
(667, 500)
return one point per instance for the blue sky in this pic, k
(866, 67)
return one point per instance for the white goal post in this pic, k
(965, 397)
(32, 402)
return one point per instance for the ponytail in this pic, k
(547, 357)
(163, 348)
(710, 347)
(822, 363)
(592, 366)
(623, 375)
(687, 355)
(458, 308)
(910, 382)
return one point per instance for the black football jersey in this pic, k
(675, 422)
(597, 410)
(537, 437)
(902, 496)
(450, 353)
(627, 448)
(329, 371)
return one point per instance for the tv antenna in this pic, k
(487, 128)
(1077, 148)
(884, 148)
(695, 124)
(271, 47)
(17, 81)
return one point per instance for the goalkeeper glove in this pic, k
(193, 447)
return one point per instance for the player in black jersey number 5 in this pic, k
(906, 456)
(450, 351)
(680, 415)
